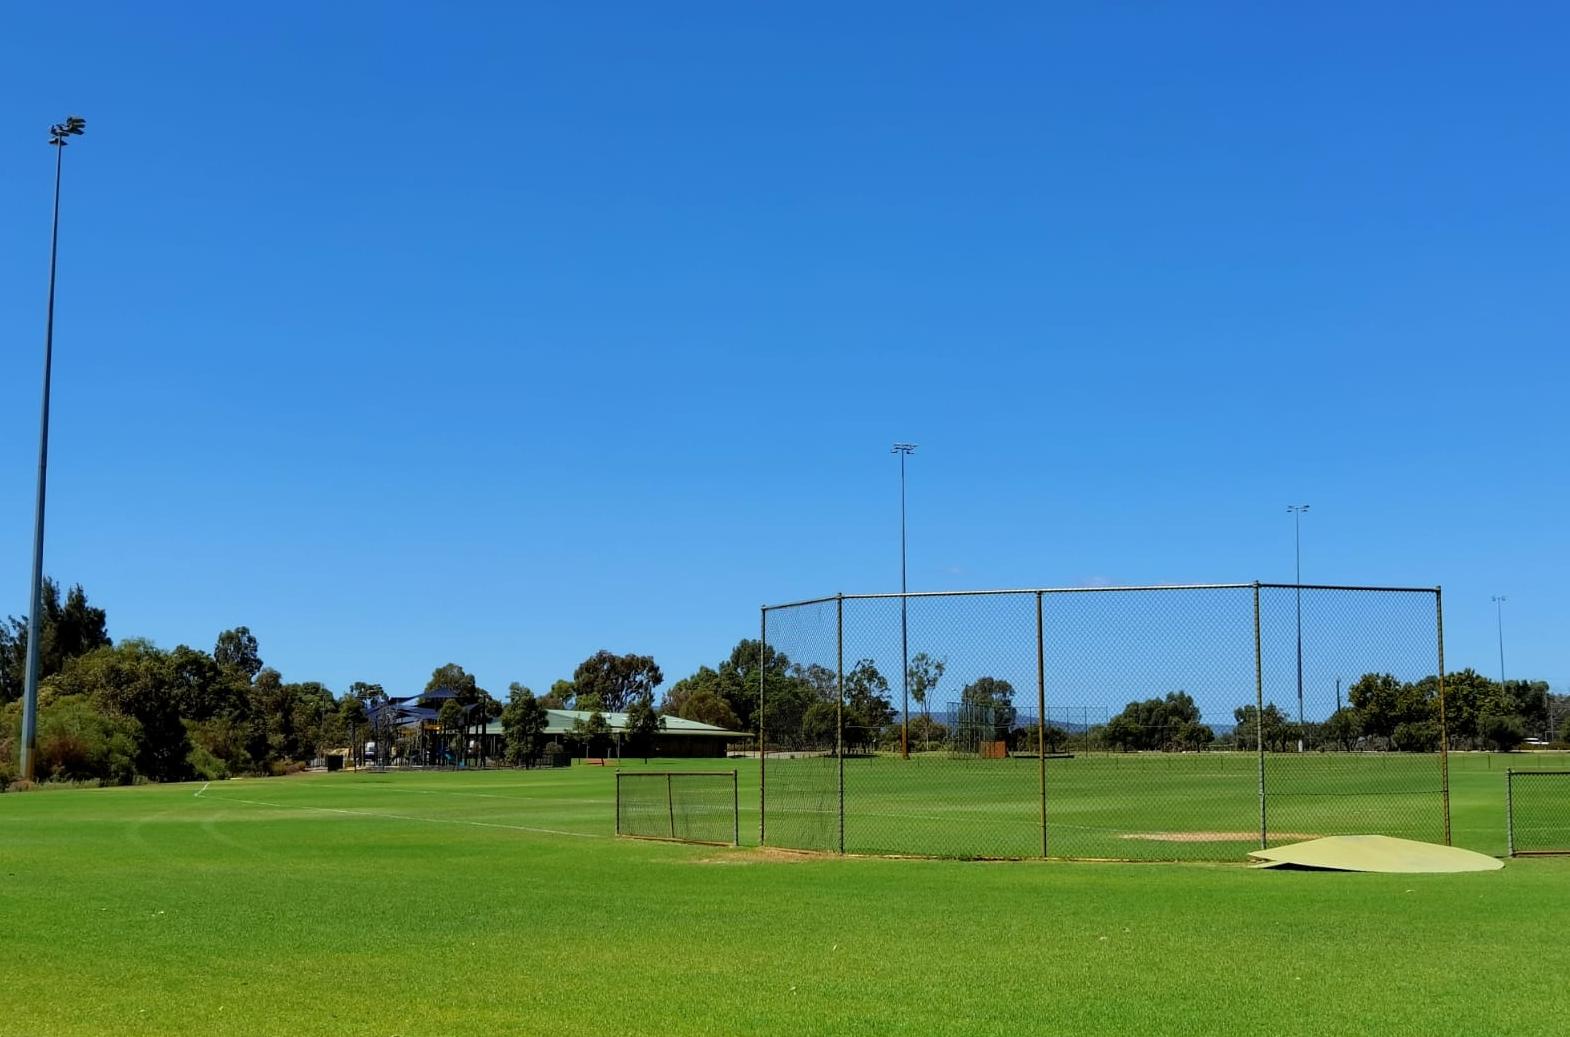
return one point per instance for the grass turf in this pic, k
(1124, 806)
(495, 902)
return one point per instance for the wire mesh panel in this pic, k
(1538, 812)
(688, 806)
(940, 703)
(1352, 724)
(1141, 690)
(1157, 723)
(799, 690)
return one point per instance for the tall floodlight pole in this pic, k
(1499, 620)
(72, 127)
(904, 450)
(1297, 538)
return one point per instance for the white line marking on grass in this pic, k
(202, 789)
(575, 800)
(408, 817)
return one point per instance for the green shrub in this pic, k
(207, 766)
(219, 743)
(1505, 733)
(1420, 736)
(76, 742)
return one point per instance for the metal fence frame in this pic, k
(1040, 594)
(670, 804)
(1510, 776)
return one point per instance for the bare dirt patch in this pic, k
(762, 855)
(1211, 837)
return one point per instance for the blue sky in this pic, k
(410, 334)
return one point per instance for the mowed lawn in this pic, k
(498, 902)
(1149, 806)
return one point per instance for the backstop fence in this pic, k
(1193, 722)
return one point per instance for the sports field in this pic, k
(1140, 806)
(498, 902)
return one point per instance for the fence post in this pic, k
(763, 745)
(618, 802)
(1510, 812)
(1041, 714)
(670, 803)
(1444, 731)
(735, 809)
(839, 708)
(1259, 718)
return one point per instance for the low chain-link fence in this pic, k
(1191, 722)
(1537, 812)
(688, 806)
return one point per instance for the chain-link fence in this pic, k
(1538, 812)
(688, 806)
(1190, 722)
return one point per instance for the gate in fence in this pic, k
(1537, 812)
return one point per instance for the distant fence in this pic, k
(1194, 722)
(1537, 812)
(687, 806)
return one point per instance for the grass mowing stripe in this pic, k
(407, 817)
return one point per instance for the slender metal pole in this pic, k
(904, 621)
(839, 710)
(1297, 537)
(1499, 614)
(1259, 718)
(1509, 812)
(763, 745)
(1444, 730)
(1041, 715)
(29, 750)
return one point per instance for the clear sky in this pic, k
(407, 334)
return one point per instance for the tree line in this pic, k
(120, 712)
(130, 710)
(1385, 713)
(1381, 713)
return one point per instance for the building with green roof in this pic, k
(680, 737)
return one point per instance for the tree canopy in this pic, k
(523, 723)
(617, 680)
(67, 629)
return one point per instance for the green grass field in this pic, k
(498, 902)
(1141, 806)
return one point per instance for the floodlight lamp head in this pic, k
(903, 448)
(73, 126)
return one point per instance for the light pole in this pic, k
(1297, 536)
(1499, 620)
(904, 450)
(72, 127)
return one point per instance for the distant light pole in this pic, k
(1297, 534)
(1499, 620)
(72, 127)
(904, 450)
